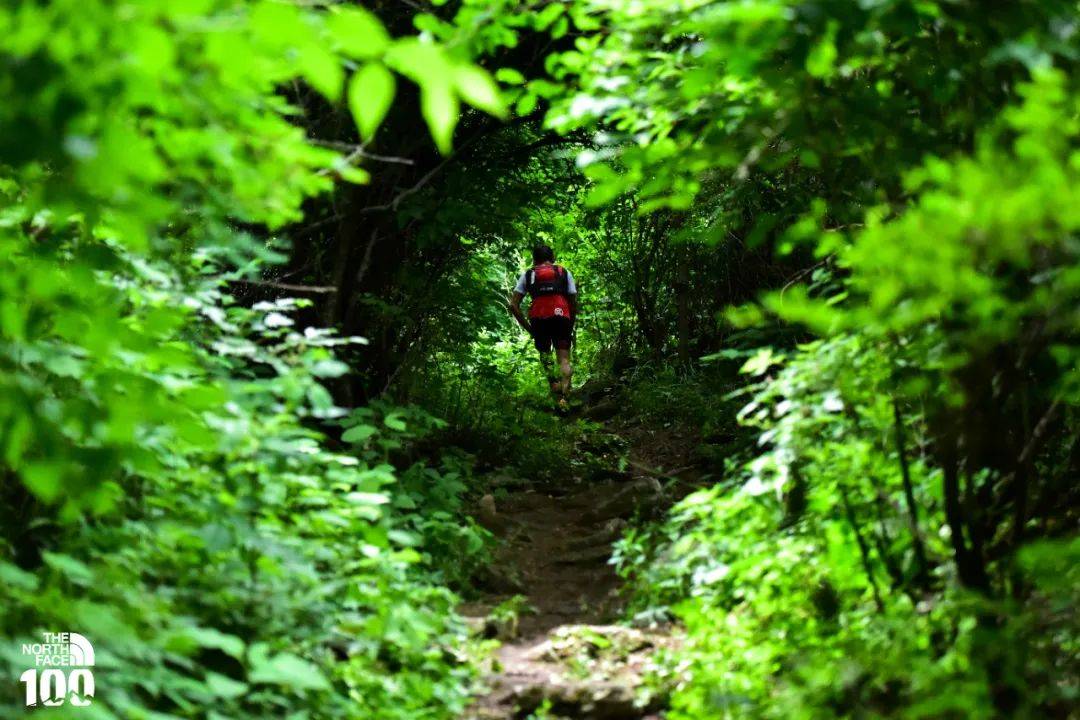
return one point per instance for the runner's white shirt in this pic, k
(571, 286)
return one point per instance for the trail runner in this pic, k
(552, 308)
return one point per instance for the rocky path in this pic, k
(561, 653)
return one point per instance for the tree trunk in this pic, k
(682, 303)
(969, 563)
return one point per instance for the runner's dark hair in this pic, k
(543, 253)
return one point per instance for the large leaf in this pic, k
(288, 670)
(357, 32)
(358, 433)
(74, 570)
(371, 92)
(322, 71)
(15, 577)
(423, 63)
(477, 88)
(439, 107)
(187, 640)
(225, 687)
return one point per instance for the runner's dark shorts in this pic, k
(550, 331)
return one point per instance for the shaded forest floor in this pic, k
(553, 598)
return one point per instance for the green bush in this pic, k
(165, 489)
(800, 587)
(849, 573)
(240, 565)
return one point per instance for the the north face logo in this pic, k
(65, 659)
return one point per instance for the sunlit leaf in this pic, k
(439, 107)
(289, 670)
(357, 31)
(371, 92)
(477, 88)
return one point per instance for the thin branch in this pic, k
(921, 575)
(359, 151)
(301, 232)
(290, 287)
(803, 273)
(1039, 432)
(864, 550)
(365, 263)
(396, 202)
(1020, 475)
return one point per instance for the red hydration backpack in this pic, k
(549, 287)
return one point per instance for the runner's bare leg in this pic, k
(567, 371)
(549, 372)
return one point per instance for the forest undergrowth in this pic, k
(271, 442)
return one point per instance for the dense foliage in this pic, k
(254, 349)
(166, 485)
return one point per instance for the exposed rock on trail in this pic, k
(591, 672)
(559, 652)
(579, 671)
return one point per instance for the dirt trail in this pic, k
(555, 543)
(565, 577)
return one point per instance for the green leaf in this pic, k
(187, 640)
(510, 76)
(561, 27)
(225, 687)
(210, 638)
(548, 15)
(394, 422)
(278, 24)
(354, 175)
(322, 70)
(12, 576)
(822, 58)
(64, 365)
(761, 361)
(367, 498)
(329, 368)
(439, 107)
(404, 538)
(43, 479)
(74, 570)
(477, 88)
(526, 104)
(422, 62)
(427, 65)
(288, 670)
(358, 32)
(358, 434)
(371, 92)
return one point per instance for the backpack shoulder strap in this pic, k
(564, 284)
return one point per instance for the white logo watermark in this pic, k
(61, 670)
